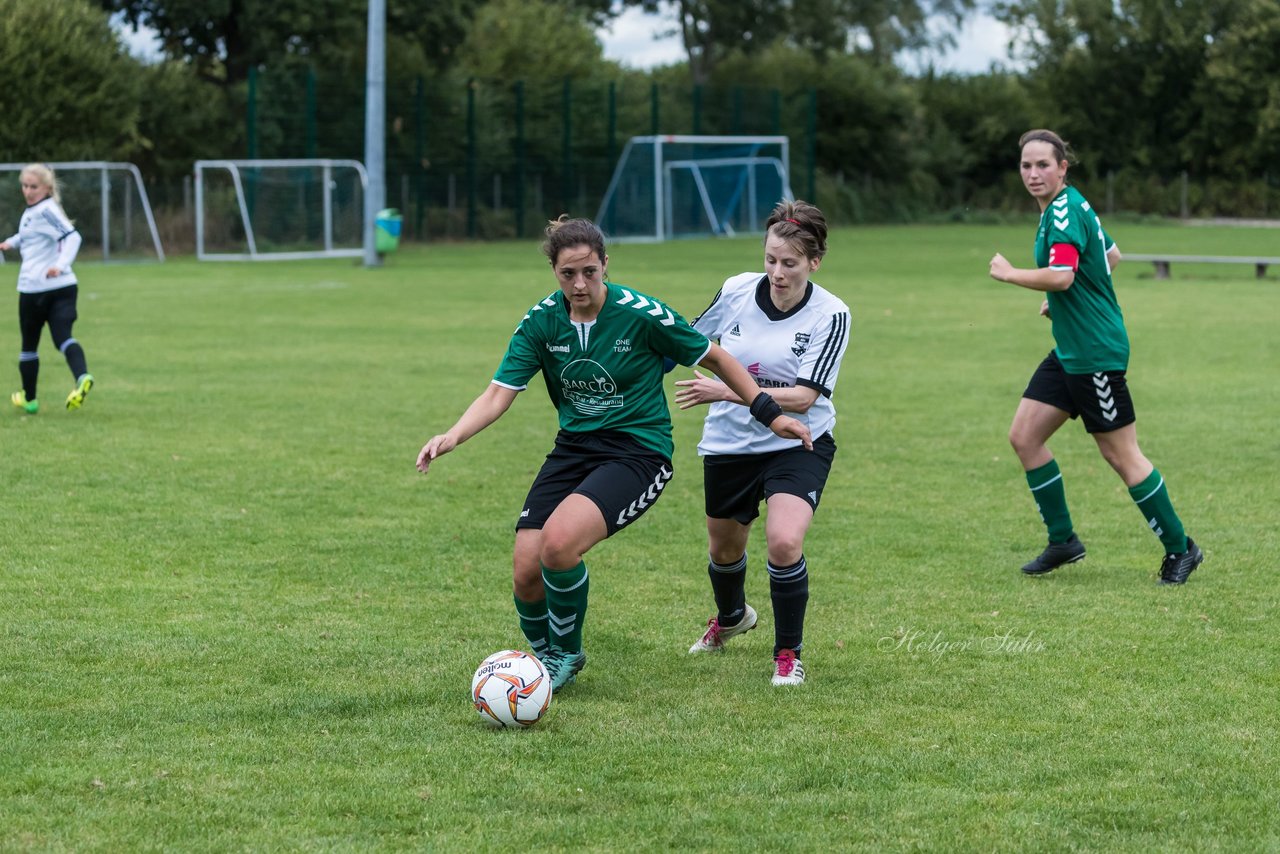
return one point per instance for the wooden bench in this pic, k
(1162, 262)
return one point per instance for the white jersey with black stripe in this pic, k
(46, 239)
(800, 347)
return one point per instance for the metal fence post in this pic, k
(251, 115)
(811, 146)
(419, 158)
(566, 171)
(519, 190)
(471, 157)
(310, 144)
(611, 146)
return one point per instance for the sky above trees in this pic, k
(634, 39)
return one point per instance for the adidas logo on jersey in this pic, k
(736, 332)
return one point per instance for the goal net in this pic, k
(667, 187)
(107, 202)
(262, 210)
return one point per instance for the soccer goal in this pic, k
(667, 187)
(279, 210)
(107, 202)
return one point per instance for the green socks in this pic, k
(1153, 500)
(567, 604)
(1051, 500)
(1151, 497)
(533, 622)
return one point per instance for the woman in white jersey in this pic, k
(1084, 374)
(791, 334)
(600, 348)
(47, 287)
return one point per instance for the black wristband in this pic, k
(765, 409)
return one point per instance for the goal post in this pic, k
(279, 210)
(108, 203)
(675, 186)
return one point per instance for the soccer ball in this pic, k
(511, 689)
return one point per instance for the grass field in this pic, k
(234, 617)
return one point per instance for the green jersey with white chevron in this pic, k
(1087, 323)
(605, 374)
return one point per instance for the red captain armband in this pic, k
(1064, 255)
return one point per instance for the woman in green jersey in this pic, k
(1084, 375)
(600, 348)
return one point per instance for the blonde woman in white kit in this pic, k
(47, 286)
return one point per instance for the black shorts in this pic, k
(621, 476)
(735, 484)
(56, 308)
(1101, 399)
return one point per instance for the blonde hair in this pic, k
(44, 174)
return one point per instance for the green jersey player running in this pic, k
(1084, 375)
(600, 349)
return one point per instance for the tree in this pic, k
(223, 39)
(878, 29)
(183, 118)
(712, 29)
(71, 89)
(513, 39)
(1240, 133)
(1121, 78)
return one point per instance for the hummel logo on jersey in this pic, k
(650, 306)
(557, 348)
(524, 514)
(802, 343)
(736, 332)
(813, 496)
(1060, 213)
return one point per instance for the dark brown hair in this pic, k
(1061, 149)
(800, 224)
(563, 232)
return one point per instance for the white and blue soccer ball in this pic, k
(511, 689)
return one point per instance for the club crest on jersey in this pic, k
(802, 343)
(589, 388)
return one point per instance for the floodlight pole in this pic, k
(375, 125)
